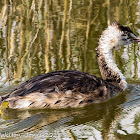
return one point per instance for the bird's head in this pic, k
(117, 35)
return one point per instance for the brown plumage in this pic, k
(61, 89)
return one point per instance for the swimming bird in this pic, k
(71, 88)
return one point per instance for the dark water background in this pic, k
(40, 36)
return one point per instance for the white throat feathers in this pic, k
(109, 40)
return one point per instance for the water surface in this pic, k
(47, 35)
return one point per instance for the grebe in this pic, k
(71, 88)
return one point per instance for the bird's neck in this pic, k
(108, 67)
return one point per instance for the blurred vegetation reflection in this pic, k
(39, 36)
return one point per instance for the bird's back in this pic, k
(60, 89)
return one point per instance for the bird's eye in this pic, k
(128, 34)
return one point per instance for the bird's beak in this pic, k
(136, 39)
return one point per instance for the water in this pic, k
(48, 35)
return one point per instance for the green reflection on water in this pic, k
(45, 35)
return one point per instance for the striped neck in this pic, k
(108, 68)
